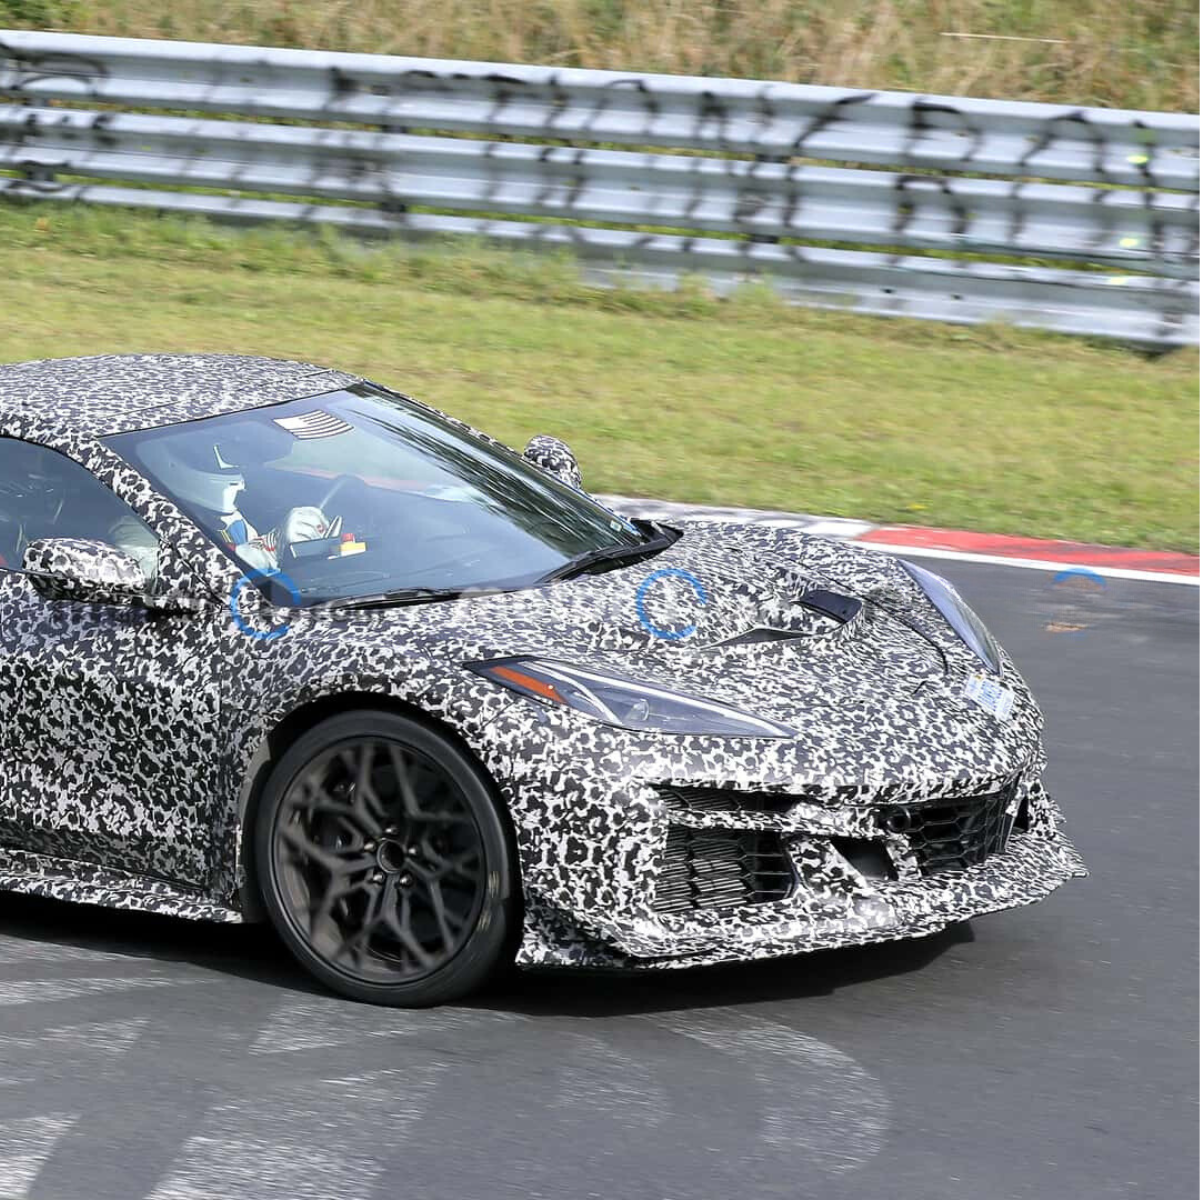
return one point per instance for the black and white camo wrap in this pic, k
(556, 458)
(73, 569)
(132, 742)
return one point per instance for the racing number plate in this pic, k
(989, 695)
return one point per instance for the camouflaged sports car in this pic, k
(278, 642)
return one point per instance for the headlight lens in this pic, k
(959, 614)
(624, 702)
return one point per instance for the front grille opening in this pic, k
(870, 859)
(951, 835)
(708, 799)
(715, 868)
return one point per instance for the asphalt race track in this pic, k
(1047, 1052)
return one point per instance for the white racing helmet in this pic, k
(194, 472)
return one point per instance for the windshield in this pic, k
(361, 492)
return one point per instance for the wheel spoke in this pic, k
(355, 942)
(312, 796)
(408, 796)
(441, 914)
(365, 801)
(402, 932)
(362, 769)
(336, 891)
(447, 819)
(324, 805)
(336, 864)
(445, 868)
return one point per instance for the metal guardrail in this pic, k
(740, 176)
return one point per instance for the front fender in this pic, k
(280, 688)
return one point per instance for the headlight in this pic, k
(958, 613)
(624, 702)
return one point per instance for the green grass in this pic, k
(1139, 55)
(676, 396)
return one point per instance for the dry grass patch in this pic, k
(1141, 55)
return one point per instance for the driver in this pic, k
(208, 477)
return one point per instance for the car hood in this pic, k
(741, 615)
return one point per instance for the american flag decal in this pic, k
(317, 424)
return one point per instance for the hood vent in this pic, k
(831, 604)
(754, 637)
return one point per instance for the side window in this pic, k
(44, 494)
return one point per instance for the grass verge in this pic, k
(671, 395)
(1141, 55)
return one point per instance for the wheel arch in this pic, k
(298, 722)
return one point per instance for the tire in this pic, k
(385, 861)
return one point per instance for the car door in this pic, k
(102, 707)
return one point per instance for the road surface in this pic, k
(1048, 1052)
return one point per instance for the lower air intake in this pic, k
(712, 868)
(952, 835)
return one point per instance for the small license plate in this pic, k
(989, 695)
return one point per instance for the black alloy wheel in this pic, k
(385, 861)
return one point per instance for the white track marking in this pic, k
(599, 1081)
(819, 1105)
(24, 1146)
(838, 527)
(309, 1141)
(1031, 564)
(313, 1024)
(14, 950)
(273, 1136)
(846, 529)
(44, 991)
(233, 1166)
(93, 1037)
(25, 1057)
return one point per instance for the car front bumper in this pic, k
(600, 889)
(1027, 871)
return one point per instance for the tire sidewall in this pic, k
(490, 941)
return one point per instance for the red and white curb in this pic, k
(1038, 554)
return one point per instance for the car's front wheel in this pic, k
(384, 861)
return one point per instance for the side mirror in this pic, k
(555, 458)
(85, 571)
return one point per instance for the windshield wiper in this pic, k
(404, 596)
(605, 555)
